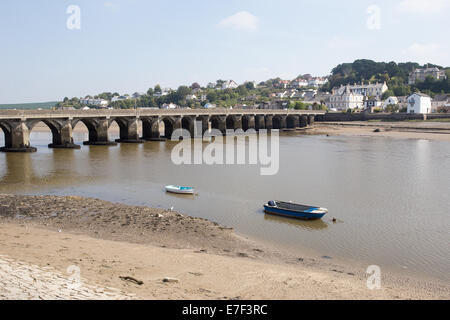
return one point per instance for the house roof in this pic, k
(420, 94)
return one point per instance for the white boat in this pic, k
(180, 189)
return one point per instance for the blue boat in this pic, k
(293, 210)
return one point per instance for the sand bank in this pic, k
(400, 130)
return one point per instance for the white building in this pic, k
(299, 83)
(419, 103)
(344, 99)
(101, 103)
(390, 101)
(209, 106)
(317, 82)
(399, 101)
(169, 106)
(230, 84)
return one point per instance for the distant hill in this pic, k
(394, 74)
(29, 106)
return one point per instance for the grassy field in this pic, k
(29, 106)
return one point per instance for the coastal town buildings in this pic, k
(344, 98)
(419, 103)
(368, 90)
(100, 103)
(354, 96)
(299, 83)
(440, 103)
(419, 75)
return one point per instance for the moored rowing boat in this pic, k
(293, 210)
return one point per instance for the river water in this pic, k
(391, 196)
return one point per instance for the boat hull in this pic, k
(178, 190)
(293, 214)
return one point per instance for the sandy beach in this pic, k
(126, 252)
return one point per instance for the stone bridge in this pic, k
(18, 124)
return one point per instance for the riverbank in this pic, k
(114, 244)
(401, 130)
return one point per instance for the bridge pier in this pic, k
(205, 124)
(98, 135)
(279, 122)
(62, 136)
(311, 120)
(303, 121)
(292, 122)
(248, 122)
(129, 130)
(188, 123)
(17, 137)
(269, 122)
(219, 123)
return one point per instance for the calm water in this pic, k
(391, 196)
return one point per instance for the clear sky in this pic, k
(131, 45)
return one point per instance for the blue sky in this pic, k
(131, 45)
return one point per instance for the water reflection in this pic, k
(312, 225)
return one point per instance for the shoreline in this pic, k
(64, 229)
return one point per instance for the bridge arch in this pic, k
(123, 128)
(61, 132)
(215, 122)
(245, 122)
(277, 122)
(292, 121)
(7, 134)
(91, 125)
(231, 122)
(169, 125)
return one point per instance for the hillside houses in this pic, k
(419, 75)
(100, 103)
(230, 84)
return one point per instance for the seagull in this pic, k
(171, 209)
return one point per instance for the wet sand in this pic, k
(399, 130)
(115, 245)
